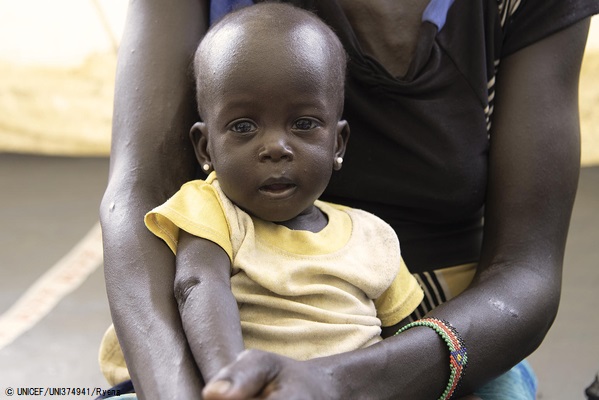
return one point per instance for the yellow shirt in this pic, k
(300, 294)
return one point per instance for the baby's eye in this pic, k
(305, 124)
(243, 127)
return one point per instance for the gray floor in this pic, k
(49, 204)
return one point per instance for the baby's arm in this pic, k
(208, 309)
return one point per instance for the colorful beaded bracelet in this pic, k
(458, 357)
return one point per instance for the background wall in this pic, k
(57, 63)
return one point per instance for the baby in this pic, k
(261, 263)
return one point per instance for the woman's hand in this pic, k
(261, 375)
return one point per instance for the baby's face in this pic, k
(273, 129)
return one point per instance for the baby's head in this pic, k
(270, 87)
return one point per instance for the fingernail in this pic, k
(220, 387)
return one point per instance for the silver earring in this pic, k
(206, 167)
(339, 160)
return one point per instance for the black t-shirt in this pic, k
(417, 155)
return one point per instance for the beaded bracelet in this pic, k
(458, 357)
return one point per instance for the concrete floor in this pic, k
(49, 205)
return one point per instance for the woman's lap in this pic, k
(519, 383)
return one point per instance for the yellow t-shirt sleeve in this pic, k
(196, 208)
(400, 299)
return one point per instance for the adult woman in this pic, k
(430, 184)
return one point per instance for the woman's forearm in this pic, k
(415, 364)
(139, 271)
(151, 157)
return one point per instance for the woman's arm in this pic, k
(151, 157)
(534, 168)
(208, 309)
(504, 315)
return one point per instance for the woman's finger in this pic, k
(244, 379)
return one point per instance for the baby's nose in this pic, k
(276, 148)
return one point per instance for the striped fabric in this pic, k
(506, 9)
(442, 285)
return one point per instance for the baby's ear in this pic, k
(199, 138)
(341, 143)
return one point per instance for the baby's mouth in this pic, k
(278, 187)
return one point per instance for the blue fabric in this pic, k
(436, 12)
(519, 383)
(218, 8)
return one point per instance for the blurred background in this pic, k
(57, 61)
(57, 64)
